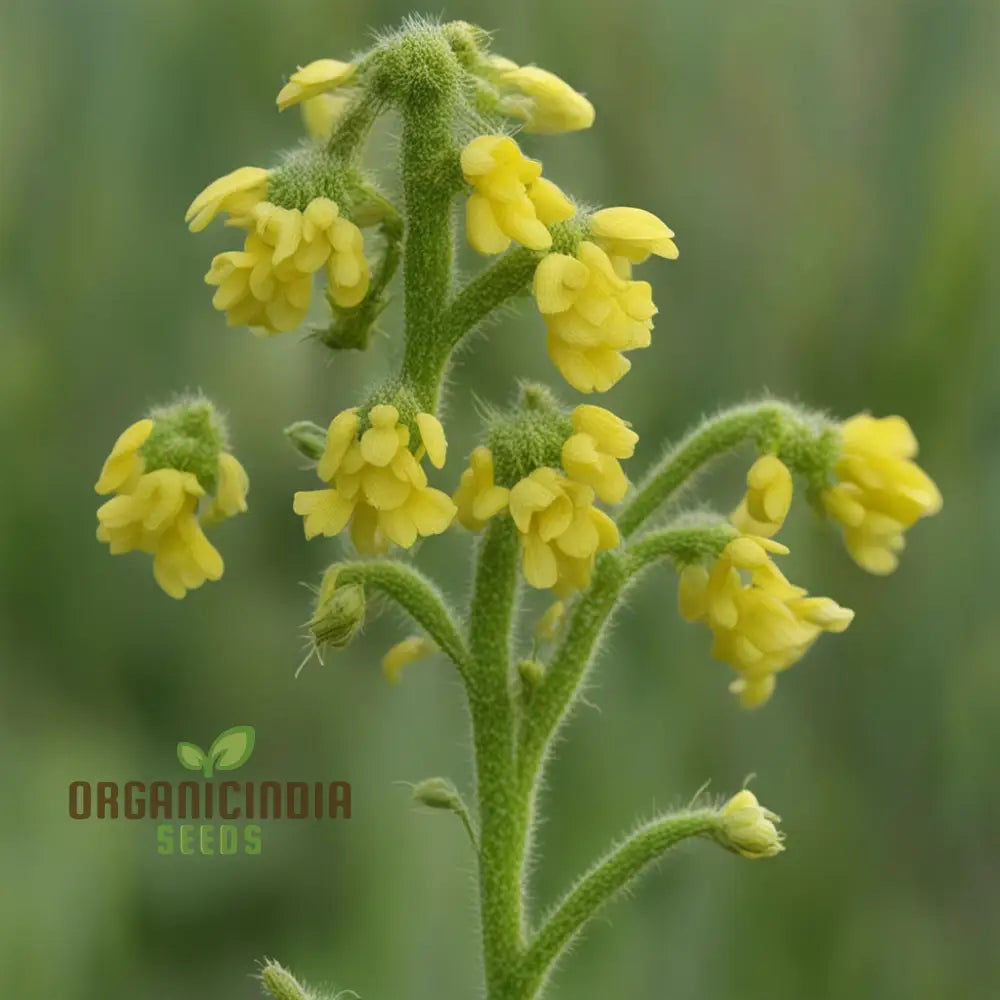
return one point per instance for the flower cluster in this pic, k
(511, 200)
(376, 482)
(881, 492)
(761, 623)
(155, 509)
(560, 529)
(268, 284)
(592, 316)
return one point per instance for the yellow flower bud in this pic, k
(748, 829)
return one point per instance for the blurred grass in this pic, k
(831, 171)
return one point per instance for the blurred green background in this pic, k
(831, 168)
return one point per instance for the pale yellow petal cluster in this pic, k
(592, 454)
(478, 498)
(314, 79)
(268, 284)
(546, 103)
(511, 200)
(592, 315)
(236, 194)
(409, 650)
(881, 491)
(768, 498)
(761, 623)
(561, 530)
(630, 235)
(748, 828)
(376, 482)
(157, 512)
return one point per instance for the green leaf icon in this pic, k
(191, 756)
(232, 748)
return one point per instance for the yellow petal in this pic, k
(433, 439)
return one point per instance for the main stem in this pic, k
(429, 189)
(502, 812)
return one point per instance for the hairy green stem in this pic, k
(607, 878)
(488, 291)
(762, 422)
(429, 188)
(418, 596)
(347, 138)
(502, 814)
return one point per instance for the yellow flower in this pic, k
(511, 201)
(768, 498)
(881, 492)
(123, 466)
(236, 193)
(321, 113)
(762, 624)
(591, 454)
(156, 511)
(748, 829)
(269, 283)
(561, 530)
(630, 235)
(416, 647)
(231, 491)
(376, 482)
(592, 315)
(478, 498)
(544, 101)
(316, 78)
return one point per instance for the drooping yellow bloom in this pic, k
(269, 283)
(156, 511)
(761, 623)
(322, 112)
(410, 650)
(543, 101)
(592, 316)
(768, 498)
(376, 483)
(233, 483)
(630, 235)
(561, 530)
(511, 201)
(591, 455)
(478, 498)
(881, 492)
(237, 193)
(314, 79)
(123, 466)
(748, 828)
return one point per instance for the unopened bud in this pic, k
(281, 984)
(438, 793)
(307, 438)
(531, 672)
(339, 613)
(748, 829)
